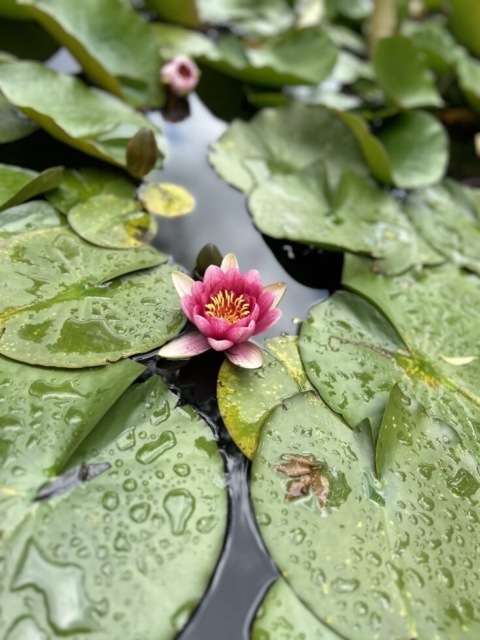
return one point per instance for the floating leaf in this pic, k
(353, 355)
(14, 124)
(63, 303)
(112, 222)
(50, 412)
(166, 200)
(359, 217)
(282, 610)
(110, 40)
(409, 151)
(283, 141)
(386, 556)
(436, 44)
(79, 186)
(246, 397)
(27, 217)
(18, 184)
(85, 118)
(403, 75)
(149, 529)
(447, 218)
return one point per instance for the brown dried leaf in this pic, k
(298, 488)
(298, 465)
(321, 488)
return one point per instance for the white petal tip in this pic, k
(278, 289)
(229, 262)
(188, 345)
(183, 283)
(246, 355)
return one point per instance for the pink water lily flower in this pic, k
(182, 74)
(227, 308)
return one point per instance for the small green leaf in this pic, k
(403, 75)
(112, 222)
(18, 184)
(166, 200)
(142, 153)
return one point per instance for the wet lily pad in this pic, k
(283, 616)
(27, 217)
(353, 354)
(63, 303)
(409, 151)
(110, 40)
(448, 219)
(112, 222)
(166, 200)
(80, 185)
(48, 413)
(18, 184)
(149, 529)
(386, 556)
(85, 118)
(358, 217)
(283, 141)
(403, 75)
(246, 396)
(14, 124)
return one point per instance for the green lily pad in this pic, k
(353, 354)
(110, 40)
(283, 616)
(465, 23)
(63, 303)
(87, 119)
(27, 217)
(246, 396)
(468, 70)
(373, 556)
(447, 218)
(112, 222)
(359, 217)
(436, 44)
(283, 141)
(48, 413)
(409, 151)
(166, 200)
(297, 57)
(18, 184)
(148, 530)
(403, 75)
(79, 186)
(14, 124)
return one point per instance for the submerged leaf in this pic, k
(166, 200)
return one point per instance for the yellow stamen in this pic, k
(227, 306)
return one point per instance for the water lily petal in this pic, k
(240, 334)
(188, 306)
(278, 289)
(220, 345)
(229, 262)
(267, 320)
(246, 354)
(188, 345)
(183, 284)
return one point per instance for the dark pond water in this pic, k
(245, 570)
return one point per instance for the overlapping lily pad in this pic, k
(409, 150)
(18, 185)
(385, 556)
(85, 118)
(149, 529)
(166, 200)
(14, 125)
(403, 75)
(354, 355)
(80, 185)
(47, 413)
(111, 41)
(112, 222)
(448, 219)
(246, 396)
(27, 217)
(283, 141)
(282, 616)
(63, 303)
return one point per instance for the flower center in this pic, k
(228, 306)
(184, 71)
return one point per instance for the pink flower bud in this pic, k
(182, 74)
